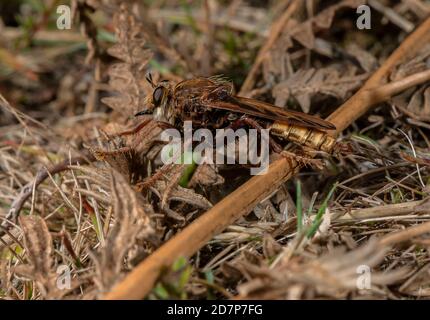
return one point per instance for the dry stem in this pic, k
(390, 210)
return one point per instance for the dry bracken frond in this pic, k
(39, 249)
(305, 84)
(127, 77)
(132, 223)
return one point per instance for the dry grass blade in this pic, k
(138, 283)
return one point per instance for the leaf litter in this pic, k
(100, 218)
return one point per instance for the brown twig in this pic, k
(389, 210)
(404, 235)
(384, 92)
(140, 281)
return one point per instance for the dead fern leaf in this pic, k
(279, 64)
(39, 249)
(38, 243)
(132, 223)
(305, 84)
(414, 103)
(168, 189)
(117, 160)
(417, 64)
(127, 77)
(304, 33)
(366, 60)
(419, 103)
(206, 175)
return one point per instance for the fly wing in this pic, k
(264, 110)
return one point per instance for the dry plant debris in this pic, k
(89, 211)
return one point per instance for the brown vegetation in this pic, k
(81, 189)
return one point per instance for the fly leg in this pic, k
(302, 158)
(124, 133)
(147, 124)
(254, 124)
(142, 125)
(135, 129)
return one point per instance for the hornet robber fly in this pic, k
(210, 103)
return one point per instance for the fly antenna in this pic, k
(149, 79)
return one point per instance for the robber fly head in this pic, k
(159, 101)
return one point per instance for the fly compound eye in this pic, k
(157, 96)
